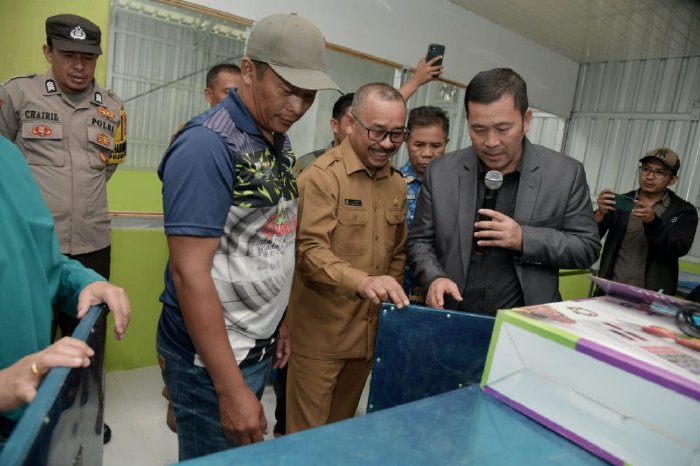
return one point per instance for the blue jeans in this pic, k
(196, 404)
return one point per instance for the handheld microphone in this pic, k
(493, 181)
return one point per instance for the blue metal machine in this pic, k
(63, 425)
(461, 427)
(418, 415)
(422, 352)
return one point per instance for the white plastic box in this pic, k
(605, 372)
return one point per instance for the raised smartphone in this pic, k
(433, 51)
(624, 203)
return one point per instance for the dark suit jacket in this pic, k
(553, 209)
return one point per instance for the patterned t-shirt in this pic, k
(221, 178)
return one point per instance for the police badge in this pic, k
(77, 33)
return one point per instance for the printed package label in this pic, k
(613, 374)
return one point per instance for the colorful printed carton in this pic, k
(614, 374)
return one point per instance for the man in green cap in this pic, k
(72, 133)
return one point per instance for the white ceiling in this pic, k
(600, 30)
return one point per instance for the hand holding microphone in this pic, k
(493, 182)
(493, 228)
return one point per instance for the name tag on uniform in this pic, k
(353, 202)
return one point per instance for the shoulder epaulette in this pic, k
(396, 172)
(329, 158)
(114, 95)
(20, 77)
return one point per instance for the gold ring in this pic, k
(35, 370)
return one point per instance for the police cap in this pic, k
(72, 33)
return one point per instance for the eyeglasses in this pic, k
(378, 135)
(658, 174)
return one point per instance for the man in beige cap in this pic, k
(221, 79)
(645, 240)
(230, 208)
(73, 134)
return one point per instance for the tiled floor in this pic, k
(135, 410)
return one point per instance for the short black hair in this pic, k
(489, 86)
(428, 116)
(214, 71)
(341, 106)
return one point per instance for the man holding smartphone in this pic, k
(644, 243)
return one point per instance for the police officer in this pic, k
(73, 134)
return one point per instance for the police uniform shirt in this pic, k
(72, 151)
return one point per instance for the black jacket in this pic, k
(670, 237)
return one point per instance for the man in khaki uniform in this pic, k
(72, 133)
(350, 256)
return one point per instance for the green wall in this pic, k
(138, 262)
(134, 190)
(22, 32)
(692, 267)
(574, 284)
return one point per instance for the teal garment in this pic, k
(34, 275)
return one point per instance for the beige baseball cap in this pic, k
(665, 156)
(294, 48)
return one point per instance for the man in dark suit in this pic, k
(482, 260)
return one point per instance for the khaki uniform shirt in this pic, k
(307, 159)
(71, 150)
(352, 224)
